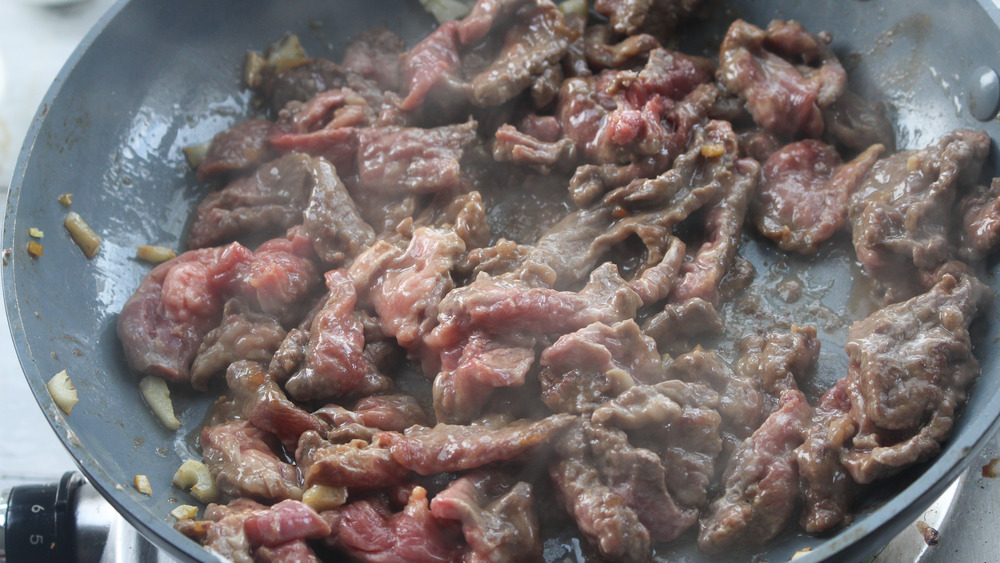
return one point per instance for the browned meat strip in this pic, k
(802, 200)
(449, 447)
(910, 366)
(242, 335)
(242, 460)
(236, 149)
(678, 322)
(786, 75)
(780, 360)
(384, 412)
(659, 17)
(356, 465)
(585, 368)
(902, 215)
(331, 219)
(980, 226)
(369, 531)
(271, 199)
(760, 482)
(394, 161)
(498, 517)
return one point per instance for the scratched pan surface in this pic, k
(153, 77)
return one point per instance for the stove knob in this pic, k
(37, 521)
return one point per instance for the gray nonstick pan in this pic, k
(154, 77)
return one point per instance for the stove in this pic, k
(48, 512)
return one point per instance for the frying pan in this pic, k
(153, 77)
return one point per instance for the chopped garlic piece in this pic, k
(82, 234)
(155, 392)
(712, 151)
(185, 512)
(155, 254)
(35, 249)
(62, 391)
(324, 497)
(446, 10)
(141, 483)
(194, 475)
(66, 199)
(35, 232)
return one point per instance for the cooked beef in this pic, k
(272, 199)
(786, 75)
(279, 277)
(297, 551)
(431, 62)
(260, 401)
(162, 324)
(331, 220)
(357, 465)
(243, 462)
(585, 368)
(802, 200)
(656, 282)
(225, 535)
(449, 447)
(236, 149)
(288, 520)
(289, 355)
(780, 360)
(369, 531)
(305, 80)
(911, 364)
(979, 230)
(828, 490)
(760, 485)
(374, 54)
(511, 145)
(497, 515)
(856, 125)
(678, 322)
(384, 412)
(242, 335)
(902, 214)
(659, 17)
(393, 160)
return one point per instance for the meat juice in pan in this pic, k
(603, 357)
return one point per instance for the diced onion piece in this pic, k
(324, 497)
(185, 512)
(194, 475)
(253, 67)
(578, 7)
(141, 483)
(195, 154)
(155, 254)
(35, 232)
(155, 392)
(66, 199)
(446, 10)
(288, 48)
(82, 234)
(35, 249)
(62, 391)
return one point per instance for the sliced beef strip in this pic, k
(497, 515)
(242, 335)
(760, 485)
(602, 52)
(224, 533)
(396, 161)
(511, 145)
(236, 149)
(384, 412)
(656, 282)
(356, 465)
(786, 75)
(911, 364)
(658, 17)
(600, 513)
(374, 54)
(369, 531)
(979, 231)
(259, 400)
(279, 276)
(449, 447)
(856, 124)
(162, 324)
(286, 521)
(307, 78)
(584, 369)
(678, 421)
(332, 220)
(271, 199)
(679, 322)
(780, 360)
(242, 459)
(828, 490)
(901, 216)
(802, 200)
(431, 67)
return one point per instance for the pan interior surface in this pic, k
(155, 77)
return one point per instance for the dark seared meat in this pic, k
(237, 149)
(242, 460)
(911, 365)
(786, 75)
(303, 81)
(369, 531)
(497, 515)
(902, 215)
(828, 490)
(659, 17)
(445, 447)
(583, 369)
(802, 200)
(272, 199)
(242, 335)
(394, 160)
(331, 219)
(760, 482)
(356, 465)
(602, 52)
